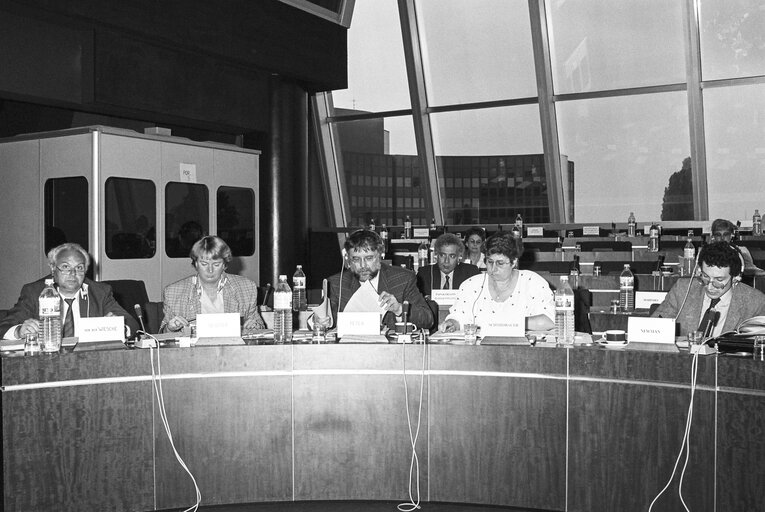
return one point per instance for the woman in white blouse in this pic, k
(502, 290)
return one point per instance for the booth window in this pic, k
(187, 207)
(66, 212)
(131, 212)
(236, 219)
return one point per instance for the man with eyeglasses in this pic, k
(362, 262)
(449, 271)
(716, 284)
(80, 296)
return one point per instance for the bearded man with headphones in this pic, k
(716, 283)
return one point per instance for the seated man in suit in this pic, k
(717, 284)
(449, 272)
(80, 297)
(394, 285)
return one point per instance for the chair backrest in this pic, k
(128, 293)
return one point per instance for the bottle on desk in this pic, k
(372, 225)
(564, 313)
(653, 238)
(384, 237)
(627, 290)
(422, 254)
(631, 225)
(407, 228)
(689, 251)
(518, 225)
(299, 300)
(282, 311)
(50, 318)
(756, 224)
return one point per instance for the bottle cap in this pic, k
(283, 276)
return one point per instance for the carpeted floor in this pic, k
(352, 506)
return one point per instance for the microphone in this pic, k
(405, 315)
(709, 322)
(265, 296)
(139, 313)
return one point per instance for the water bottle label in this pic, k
(299, 282)
(282, 301)
(49, 306)
(564, 303)
(627, 282)
(689, 253)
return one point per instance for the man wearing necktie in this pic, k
(81, 297)
(716, 285)
(449, 272)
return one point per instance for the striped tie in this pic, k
(68, 320)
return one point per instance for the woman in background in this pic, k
(503, 289)
(474, 238)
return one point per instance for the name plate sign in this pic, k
(644, 300)
(444, 297)
(534, 231)
(421, 232)
(511, 326)
(219, 325)
(591, 230)
(651, 330)
(358, 323)
(100, 328)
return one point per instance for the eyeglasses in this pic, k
(706, 280)
(68, 269)
(500, 264)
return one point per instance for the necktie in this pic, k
(447, 284)
(712, 305)
(68, 320)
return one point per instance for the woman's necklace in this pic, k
(501, 292)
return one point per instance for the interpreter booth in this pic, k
(135, 201)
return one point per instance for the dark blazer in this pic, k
(395, 280)
(99, 302)
(745, 303)
(429, 277)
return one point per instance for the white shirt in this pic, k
(723, 306)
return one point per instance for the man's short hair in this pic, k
(722, 254)
(69, 246)
(364, 240)
(723, 225)
(449, 239)
(212, 247)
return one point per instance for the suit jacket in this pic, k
(240, 295)
(395, 280)
(99, 302)
(429, 277)
(745, 303)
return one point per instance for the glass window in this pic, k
(130, 212)
(735, 135)
(376, 67)
(622, 153)
(186, 217)
(602, 44)
(474, 51)
(236, 219)
(385, 149)
(66, 212)
(499, 141)
(732, 38)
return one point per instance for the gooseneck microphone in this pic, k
(139, 313)
(265, 295)
(709, 322)
(405, 315)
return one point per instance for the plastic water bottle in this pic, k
(283, 311)
(50, 318)
(519, 225)
(631, 225)
(372, 225)
(299, 300)
(407, 228)
(653, 238)
(689, 251)
(756, 223)
(422, 254)
(627, 289)
(564, 313)
(384, 237)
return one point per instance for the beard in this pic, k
(366, 275)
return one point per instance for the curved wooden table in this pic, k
(586, 429)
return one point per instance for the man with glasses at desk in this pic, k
(81, 297)
(716, 285)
